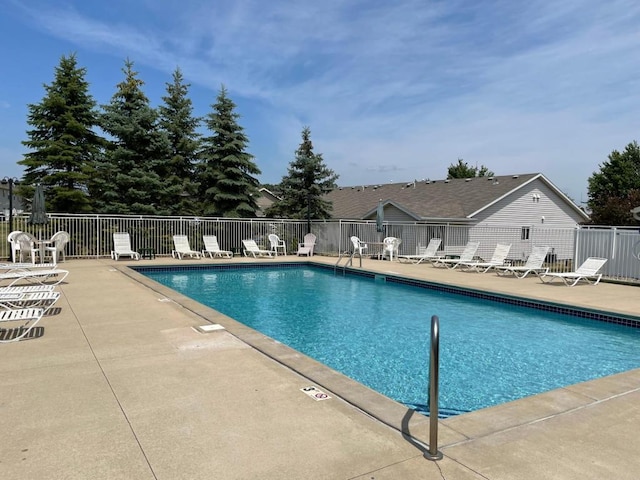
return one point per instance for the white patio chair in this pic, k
(276, 244)
(56, 246)
(307, 245)
(359, 246)
(27, 247)
(391, 247)
(15, 245)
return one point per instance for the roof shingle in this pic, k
(424, 199)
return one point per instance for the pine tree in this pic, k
(63, 141)
(128, 180)
(177, 120)
(228, 187)
(308, 180)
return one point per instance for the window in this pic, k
(524, 235)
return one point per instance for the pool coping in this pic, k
(415, 427)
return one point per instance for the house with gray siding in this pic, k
(521, 209)
(16, 201)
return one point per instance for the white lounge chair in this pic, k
(7, 267)
(430, 252)
(28, 299)
(276, 244)
(28, 317)
(35, 275)
(465, 257)
(27, 288)
(497, 260)
(182, 248)
(252, 248)
(588, 271)
(212, 248)
(532, 265)
(122, 246)
(307, 245)
(391, 247)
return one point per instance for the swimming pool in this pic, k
(377, 332)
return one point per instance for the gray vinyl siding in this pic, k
(393, 214)
(520, 209)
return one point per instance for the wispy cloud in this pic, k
(397, 87)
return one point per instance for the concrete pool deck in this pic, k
(120, 385)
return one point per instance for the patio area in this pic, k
(122, 385)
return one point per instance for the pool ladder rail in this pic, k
(349, 263)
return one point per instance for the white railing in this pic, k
(92, 237)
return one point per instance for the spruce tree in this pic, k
(303, 189)
(63, 141)
(128, 180)
(227, 183)
(177, 120)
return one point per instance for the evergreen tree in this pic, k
(615, 189)
(303, 189)
(227, 185)
(177, 120)
(63, 142)
(463, 170)
(128, 180)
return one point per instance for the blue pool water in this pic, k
(378, 332)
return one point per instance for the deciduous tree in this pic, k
(615, 189)
(463, 170)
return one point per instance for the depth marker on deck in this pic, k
(314, 393)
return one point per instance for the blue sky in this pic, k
(392, 91)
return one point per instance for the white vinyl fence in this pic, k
(92, 237)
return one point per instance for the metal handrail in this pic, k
(349, 262)
(434, 366)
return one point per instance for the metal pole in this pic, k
(10, 181)
(10, 205)
(308, 212)
(434, 361)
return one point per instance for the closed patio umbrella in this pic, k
(380, 217)
(38, 211)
